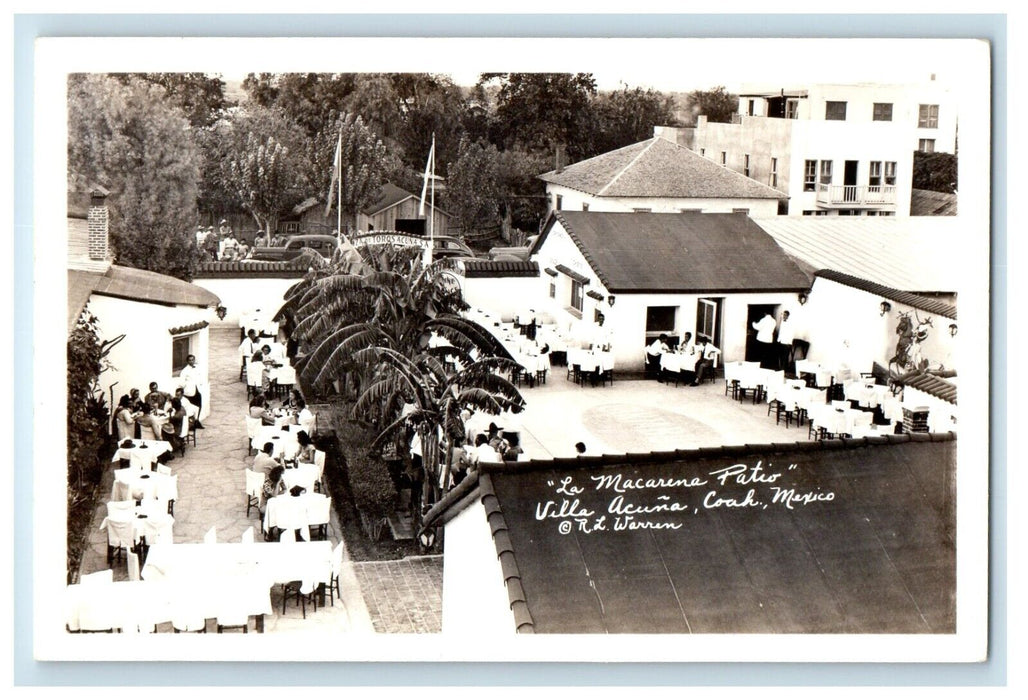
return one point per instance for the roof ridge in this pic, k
(918, 301)
(629, 165)
(593, 265)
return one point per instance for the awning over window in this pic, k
(188, 329)
(577, 276)
(594, 295)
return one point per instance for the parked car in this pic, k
(323, 244)
(450, 247)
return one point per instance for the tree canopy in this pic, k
(717, 103)
(127, 136)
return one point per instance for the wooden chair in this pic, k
(254, 489)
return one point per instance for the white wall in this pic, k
(506, 295)
(626, 320)
(241, 294)
(475, 600)
(844, 324)
(144, 355)
(572, 200)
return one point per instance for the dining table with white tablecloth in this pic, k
(303, 475)
(283, 441)
(289, 512)
(822, 373)
(141, 454)
(150, 521)
(128, 606)
(591, 360)
(866, 393)
(834, 419)
(137, 485)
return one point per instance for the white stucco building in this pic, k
(712, 275)
(834, 149)
(163, 319)
(656, 175)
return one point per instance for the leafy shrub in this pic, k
(373, 491)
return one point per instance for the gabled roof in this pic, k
(657, 554)
(658, 168)
(917, 301)
(132, 285)
(909, 254)
(684, 253)
(928, 203)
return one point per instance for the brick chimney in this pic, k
(99, 245)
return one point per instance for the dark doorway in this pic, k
(755, 312)
(849, 180)
(776, 107)
(412, 226)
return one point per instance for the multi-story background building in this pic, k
(834, 149)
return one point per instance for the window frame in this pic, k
(724, 158)
(558, 202)
(189, 339)
(824, 174)
(927, 116)
(746, 165)
(889, 173)
(883, 117)
(577, 295)
(926, 145)
(810, 176)
(831, 116)
(773, 176)
(792, 108)
(875, 174)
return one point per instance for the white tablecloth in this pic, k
(135, 485)
(834, 420)
(142, 453)
(267, 563)
(301, 475)
(591, 361)
(866, 394)
(288, 512)
(822, 373)
(284, 440)
(151, 521)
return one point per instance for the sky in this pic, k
(674, 65)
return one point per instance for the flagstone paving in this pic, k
(211, 494)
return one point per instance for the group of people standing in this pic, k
(221, 244)
(774, 341)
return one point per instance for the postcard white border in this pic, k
(966, 60)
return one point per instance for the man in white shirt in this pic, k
(653, 352)
(191, 377)
(786, 334)
(765, 328)
(705, 364)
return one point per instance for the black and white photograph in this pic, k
(513, 349)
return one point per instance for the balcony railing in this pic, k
(856, 195)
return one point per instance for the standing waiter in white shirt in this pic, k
(191, 378)
(765, 328)
(786, 334)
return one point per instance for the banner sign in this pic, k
(391, 238)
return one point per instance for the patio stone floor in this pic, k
(211, 493)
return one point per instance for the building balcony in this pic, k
(850, 196)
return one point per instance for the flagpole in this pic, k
(431, 209)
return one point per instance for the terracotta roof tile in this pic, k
(917, 301)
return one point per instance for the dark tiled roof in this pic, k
(500, 268)
(818, 567)
(264, 268)
(188, 329)
(133, 285)
(928, 203)
(936, 386)
(684, 253)
(658, 168)
(915, 300)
